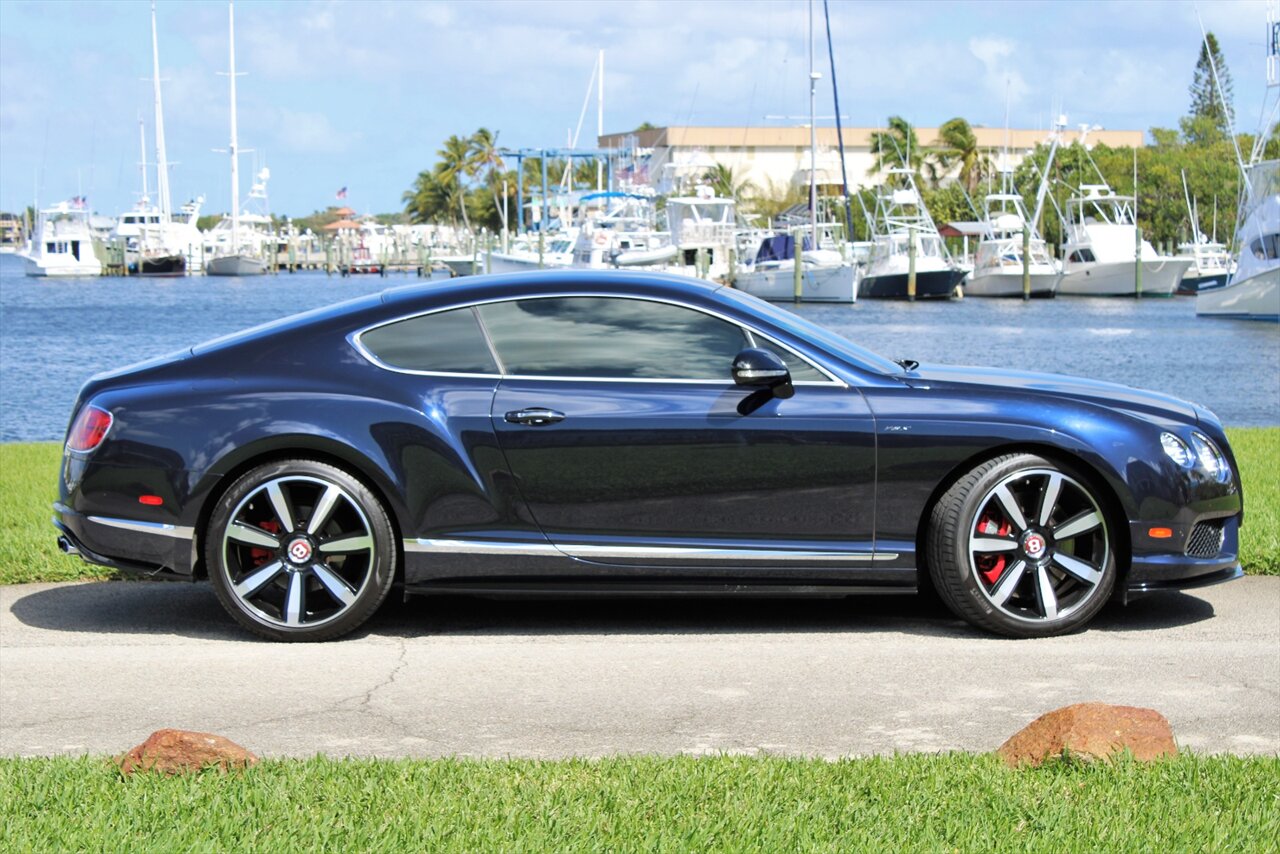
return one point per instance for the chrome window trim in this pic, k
(181, 532)
(588, 551)
(354, 339)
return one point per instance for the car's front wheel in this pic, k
(1022, 546)
(299, 550)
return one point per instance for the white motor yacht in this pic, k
(1254, 289)
(998, 266)
(61, 244)
(703, 231)
(1101, 250)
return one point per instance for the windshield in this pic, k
(809, 331)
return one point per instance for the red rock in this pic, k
(177, 751)
(1091, 731)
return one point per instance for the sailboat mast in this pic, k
(235, 154)
(813, 146)
(600, 123)
(162, 160)
(142, 139)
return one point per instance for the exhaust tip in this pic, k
(67, 548)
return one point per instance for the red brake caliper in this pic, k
(992, 565)
(260, 556)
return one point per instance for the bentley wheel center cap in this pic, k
(299, 551)
(1034, 545)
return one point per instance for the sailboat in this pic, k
(237, 257)
(825, 274)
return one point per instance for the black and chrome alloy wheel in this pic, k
(300, 550)
(1022, 546)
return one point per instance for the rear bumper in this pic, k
(137, 547)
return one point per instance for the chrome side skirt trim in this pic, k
(697, 553)
(181, 532)
(589, 552)
(477, 547)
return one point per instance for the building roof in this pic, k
(855, 137)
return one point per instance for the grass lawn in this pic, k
(29, 472)
(949, 802)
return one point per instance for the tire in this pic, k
(299, 550)
(1004, 561)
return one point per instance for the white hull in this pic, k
(60, 269)
(1116, 278)
(1256, 298)
(235, 265)
(817, 284)
(1010, 284)
(516, 264)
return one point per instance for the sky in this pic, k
(360, 94)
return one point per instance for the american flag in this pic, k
(79, 202)
(342, 194)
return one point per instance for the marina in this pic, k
(57, 333)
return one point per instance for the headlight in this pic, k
(1211, 459)
(1177, 450)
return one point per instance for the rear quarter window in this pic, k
(446, 342)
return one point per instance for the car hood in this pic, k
(1113, 395)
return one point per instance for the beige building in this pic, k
(670, 157)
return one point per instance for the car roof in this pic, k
(515, 285)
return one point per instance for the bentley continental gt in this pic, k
(630, 434)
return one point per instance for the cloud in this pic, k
(1000, 80)
(302, 132)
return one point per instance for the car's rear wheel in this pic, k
(1022, 546)
(299, 550)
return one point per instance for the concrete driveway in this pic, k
(96, 667)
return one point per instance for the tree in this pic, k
(454, 170)
(727, 184)
(487, 161)
(428, 200)
(897, 146)
(958, 146)
(1206, 102)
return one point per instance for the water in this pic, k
(55, 334)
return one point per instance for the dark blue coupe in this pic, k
(625, 433)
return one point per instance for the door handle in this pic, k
(534, 416)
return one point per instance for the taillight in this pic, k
(89, 430)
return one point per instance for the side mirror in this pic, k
(763, 369)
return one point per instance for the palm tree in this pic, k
(454, 169)
(959, 145)
(487, 160)
(896, 146)
(727, 184)
(427, 200)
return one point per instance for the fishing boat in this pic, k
(1211, 264)
(906, 243)
(1102, 250)
(999, 267)
(239, 254)
(1253, 292)
(61, 243)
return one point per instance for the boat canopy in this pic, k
(779, 247)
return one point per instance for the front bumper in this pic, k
(138, 547)
(1150, 571)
